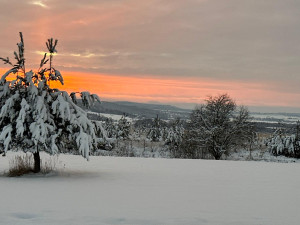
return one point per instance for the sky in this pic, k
(168, 51)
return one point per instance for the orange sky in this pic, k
(176, 90)
(171, 90)
(165, 51)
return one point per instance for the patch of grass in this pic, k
(20, 165)
(23, 164)
(49, 165)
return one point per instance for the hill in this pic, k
(141, 110)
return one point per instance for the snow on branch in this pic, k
(35, 117)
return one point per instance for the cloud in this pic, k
(240, 40)
(39, 3)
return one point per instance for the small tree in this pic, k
(174, 134)
(280, 143)
(110, 127)
(218, 125)
(123, 128)
(34, 117)
(252, 140)
(155, 132)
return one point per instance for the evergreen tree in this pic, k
(173, 136)
(123, 128)
(174, 133)
(110, 127)
(282, 144)
(155, 133)
(34, 117)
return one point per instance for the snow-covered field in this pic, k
(110, 190)
(113, 116)
(285, 118)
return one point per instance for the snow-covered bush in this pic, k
(282, 144)
(155, 133)
(173, 136)
(110, 127)
(34, 117)
(123, 128)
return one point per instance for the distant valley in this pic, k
(265, 122)
(141, 110)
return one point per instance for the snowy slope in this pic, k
(132, 191)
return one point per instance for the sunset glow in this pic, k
(167, 90)
(165, 51)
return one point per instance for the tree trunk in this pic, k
(217, 156)
(37, 162)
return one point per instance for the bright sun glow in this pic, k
(39, 3)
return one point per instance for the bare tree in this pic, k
(218, 125)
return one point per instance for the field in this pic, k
(140, 191)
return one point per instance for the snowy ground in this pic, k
(110, 190)
(113, 116)
(260, 155)
(285, 118)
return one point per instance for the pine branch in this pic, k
(50, 46)
(6, 61)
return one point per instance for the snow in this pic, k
(263, 155)
(274, 118)
(113, 116)
(5, 136)
(138, 191)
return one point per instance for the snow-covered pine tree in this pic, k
(110, 127)
(123, 128)
(282, 144)
(174, 133)
(155, 133)
(34, 117)
(173, 136)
